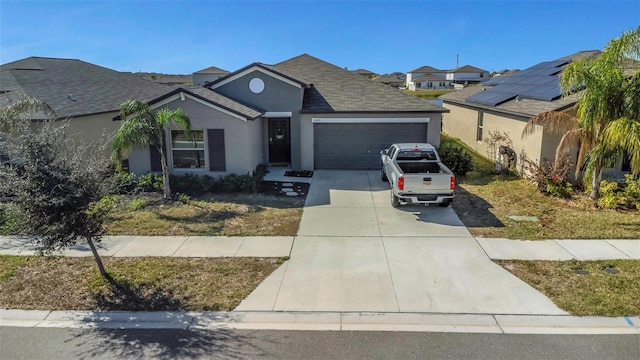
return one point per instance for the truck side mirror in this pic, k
(383, 152)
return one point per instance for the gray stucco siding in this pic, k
(277, 96)
(242, 141)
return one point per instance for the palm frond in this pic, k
(625, 133)
(556, 122)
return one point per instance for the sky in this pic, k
(181, 37)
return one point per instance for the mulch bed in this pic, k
(305, 173)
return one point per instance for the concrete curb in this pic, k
(325, 321)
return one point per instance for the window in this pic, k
(187, 151)
(480, 125)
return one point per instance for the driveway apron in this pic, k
(354, 252)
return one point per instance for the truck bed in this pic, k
(419, 167)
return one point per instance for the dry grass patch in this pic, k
(484, 201)
(222, 215)
(595, 294)
(143, 284)
(558, 218)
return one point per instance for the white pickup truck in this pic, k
(416, 175)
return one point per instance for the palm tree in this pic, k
(144, 127)
(607, 121)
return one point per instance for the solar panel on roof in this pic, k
(490, 98)
(539, 82)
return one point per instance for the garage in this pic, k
(355, 144)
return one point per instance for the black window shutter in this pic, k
(217, 160)
(154, 154)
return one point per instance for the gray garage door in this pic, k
(357, 145)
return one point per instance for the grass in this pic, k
(484, 202)
(141, 284)
(595, 294)
(216, 215)
(428, 94)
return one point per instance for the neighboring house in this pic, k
(303, 112)
(430, 78)
(205, 76)
(364, 72)
(395, 80)
(87, 94)
(506, 103)
(467, 74)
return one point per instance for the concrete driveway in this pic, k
(354, 252)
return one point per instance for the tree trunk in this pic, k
(98, 260)
(165, 174)
(595, 183)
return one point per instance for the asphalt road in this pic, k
(52, 343)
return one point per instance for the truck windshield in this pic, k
(416, 155)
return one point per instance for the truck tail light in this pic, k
(401, 183)
(452, 183)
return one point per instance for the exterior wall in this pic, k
(433, 84)
(277, 96)
(242, 141)
(462, 123)
(95, 129)
(468, 76)
(307, 136)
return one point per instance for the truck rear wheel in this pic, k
(395, 202)
(445, 204)
(383, 176)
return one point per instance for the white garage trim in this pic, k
(369, 120)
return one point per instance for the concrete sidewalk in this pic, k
(278, 246)
(171, 246)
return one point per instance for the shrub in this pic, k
(150, 183)
(138, 203)
(620, 196)
(552, 178)
(455, 158)
(125, 182)
(183, 198)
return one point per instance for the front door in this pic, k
(279, 141)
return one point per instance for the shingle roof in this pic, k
(73, 87)
(428, 77)
(363, 72)
(212, 70)
(212, 97)
(467, 69)
(425, 69)
(337, 90)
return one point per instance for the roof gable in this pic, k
(211, 99)
(263, 68)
